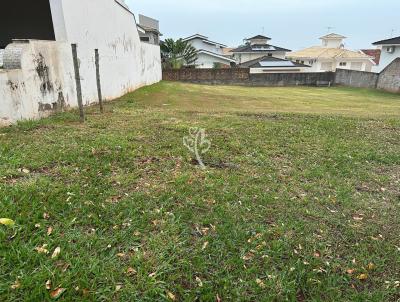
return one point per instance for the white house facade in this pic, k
(390, 50)
(257, 47)
(210, 53)
(331, 56)
(38, 75)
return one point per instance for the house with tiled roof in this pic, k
(332, 55)
(257, 47)
(209, 53)
(390, 50)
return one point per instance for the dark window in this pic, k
(270, 55)
(145, 39)
(27, 20)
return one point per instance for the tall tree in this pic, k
(178, 53)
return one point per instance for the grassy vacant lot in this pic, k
(300, 200)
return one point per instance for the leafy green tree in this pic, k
(178, 53)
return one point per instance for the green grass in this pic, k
(301, 199)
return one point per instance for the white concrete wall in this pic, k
(43, 84)
(386, 57)
(107, 26)
(126, 63)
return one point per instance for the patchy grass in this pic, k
(295, 206)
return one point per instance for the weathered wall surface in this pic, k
(45, 81)
(291, 79)
(389, 78)
(42, 85)
(237, 76)
(242, 76)
(354, 78)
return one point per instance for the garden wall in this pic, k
(242, 76)
(388, 79)
(353, 78)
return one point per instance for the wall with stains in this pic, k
(45, 81)
(125, 62)
(42, 85)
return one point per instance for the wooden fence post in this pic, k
(97, 62)
(78, 82)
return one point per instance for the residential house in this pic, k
(210, 53)
(332, 55)
(257, 47)
(149, 30)
(269, 64)
(390, 50)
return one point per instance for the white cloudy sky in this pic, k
(290, 23)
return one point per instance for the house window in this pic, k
(390, 49)
(302, 62)
(311, 62)
(270, 55)
(343, 64)
(145, 39)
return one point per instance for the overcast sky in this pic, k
(293, 24)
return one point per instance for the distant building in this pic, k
(210, 53)
(332, 55)
(268, 64)
(149, 30)
(257, 47)
(390, 50)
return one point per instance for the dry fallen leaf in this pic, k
(205, 244)
(57, 293)
(218, 299)
(42, 249)
(7, 222)
(46, 216)
(121, 255)
(260, 283)
(358, 217)
(25, 171)
(16, 284)
(171, 296)
(200, 283)
(362, 277)
(371, 266)
(131, 271)
(317, 254)
(56, 253)
(350, 271)
(49, 231)
(118, 287)
(48, 284)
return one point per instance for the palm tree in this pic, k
(178, 53)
